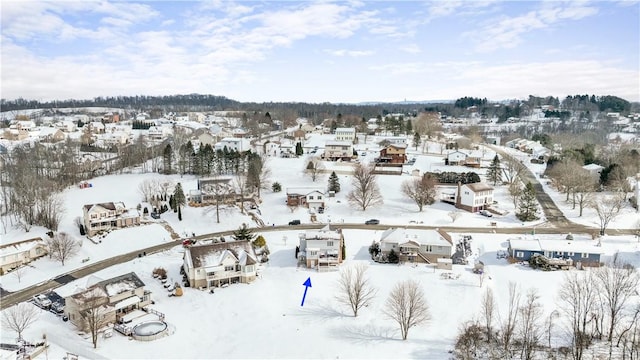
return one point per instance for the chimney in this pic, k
(458, 196)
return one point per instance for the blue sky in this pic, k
(317, 51)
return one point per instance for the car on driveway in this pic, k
(486, 213)
(42, 301)
(372, 222)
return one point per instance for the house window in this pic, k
(94, 216)
(519, 254)
(570, 253)
(229, 268)
(319, 197)
(211, 273)
(585, 255)
(559, 253)
(330, 243)
(314, 253)
(310, 197)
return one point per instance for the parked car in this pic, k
(57, 308)
(294, 222)
(486, 213)
(42, 301)
(372, 222)
(155, 215)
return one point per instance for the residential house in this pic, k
(345, 134)
(394, 154)
(50, 134)
(205, 138)
(108, 216)
(217, 264)
(393, 140)
(211, 190)
(67, 125)
(15, 134)
(233, 144)
(338, 150)
(96, 127)
(114, 298)
(27, 125)
(594, 170)
(114, 138)
(415, 245)
(239, 133)
(16, 254)
(470, 197)
(456, 158)
(321, 249)
(583, 251)
(310, 197)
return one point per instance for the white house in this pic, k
(393, 140)
(310, 197)
(232, 143)
(321, 249)
(414, 245)
(456, 158)
(470, 197)
(108, 216)
(594, 170)
(18, 253)
(345, 134)
(214, 265)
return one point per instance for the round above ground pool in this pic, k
(149, 330)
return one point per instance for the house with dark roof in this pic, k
(574, 251)
(217, 264)
(113, 298)
(108, 216)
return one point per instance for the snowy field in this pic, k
(264, 319)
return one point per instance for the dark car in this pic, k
(372, 222)
(294, 222)
(486, 213)
(155, 215)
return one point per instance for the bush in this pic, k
(160, 273)
(276, 187)
(259, 242)
(393, 257)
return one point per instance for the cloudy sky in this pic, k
(345, 51)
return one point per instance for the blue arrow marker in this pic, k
(307, 285)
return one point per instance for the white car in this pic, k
(485, 213)
(42, 301)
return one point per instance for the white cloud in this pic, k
(411, 48)
(351, 53)
(508, 31)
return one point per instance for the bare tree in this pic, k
(578, 299)
(240, 180)
(95, 312)
(512, 169)
(428, 124)
(354, 288)
(19, 272)
(515, 192)
(147, 189)
(454, 215)
(488, 312)
(529, 327)
(258, 173)
(63, 246)
(421, 190)
(314, 168)
(19, 317)
(618, 282)
(221, 191)
(607, 208)
(583, 191)
(509, 325)
(365, 191)
(407, 306)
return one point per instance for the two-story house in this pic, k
(113, 298)
(414, 245)
(393, 154)
(321, 249)
(310, 197)
(108, 216)
(214, 265)
(456, 158)
(346, 134)
(233, 144)
(18, 253)
(338, 150)
(213, 190)
(474, 197)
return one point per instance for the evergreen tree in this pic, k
(344, 251)
(393, 257)
(243, 233)
(299, 150)
(276, 187)
(494, 172)
(178, 196)
(408, 128)
(416, 140)
(374, 249)
(334, 182)
(528, 205)
(172, 203)
(167, 159)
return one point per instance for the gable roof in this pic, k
(419, 236)
(214, 254)
(480, 186)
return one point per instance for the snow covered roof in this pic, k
(422, 237)
(20, 246)
(337, 143)
(303, 190)
(324, 233)
(576, 246)
(213, 254)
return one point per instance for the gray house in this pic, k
(585, 252)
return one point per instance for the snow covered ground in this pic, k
(265, 319)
